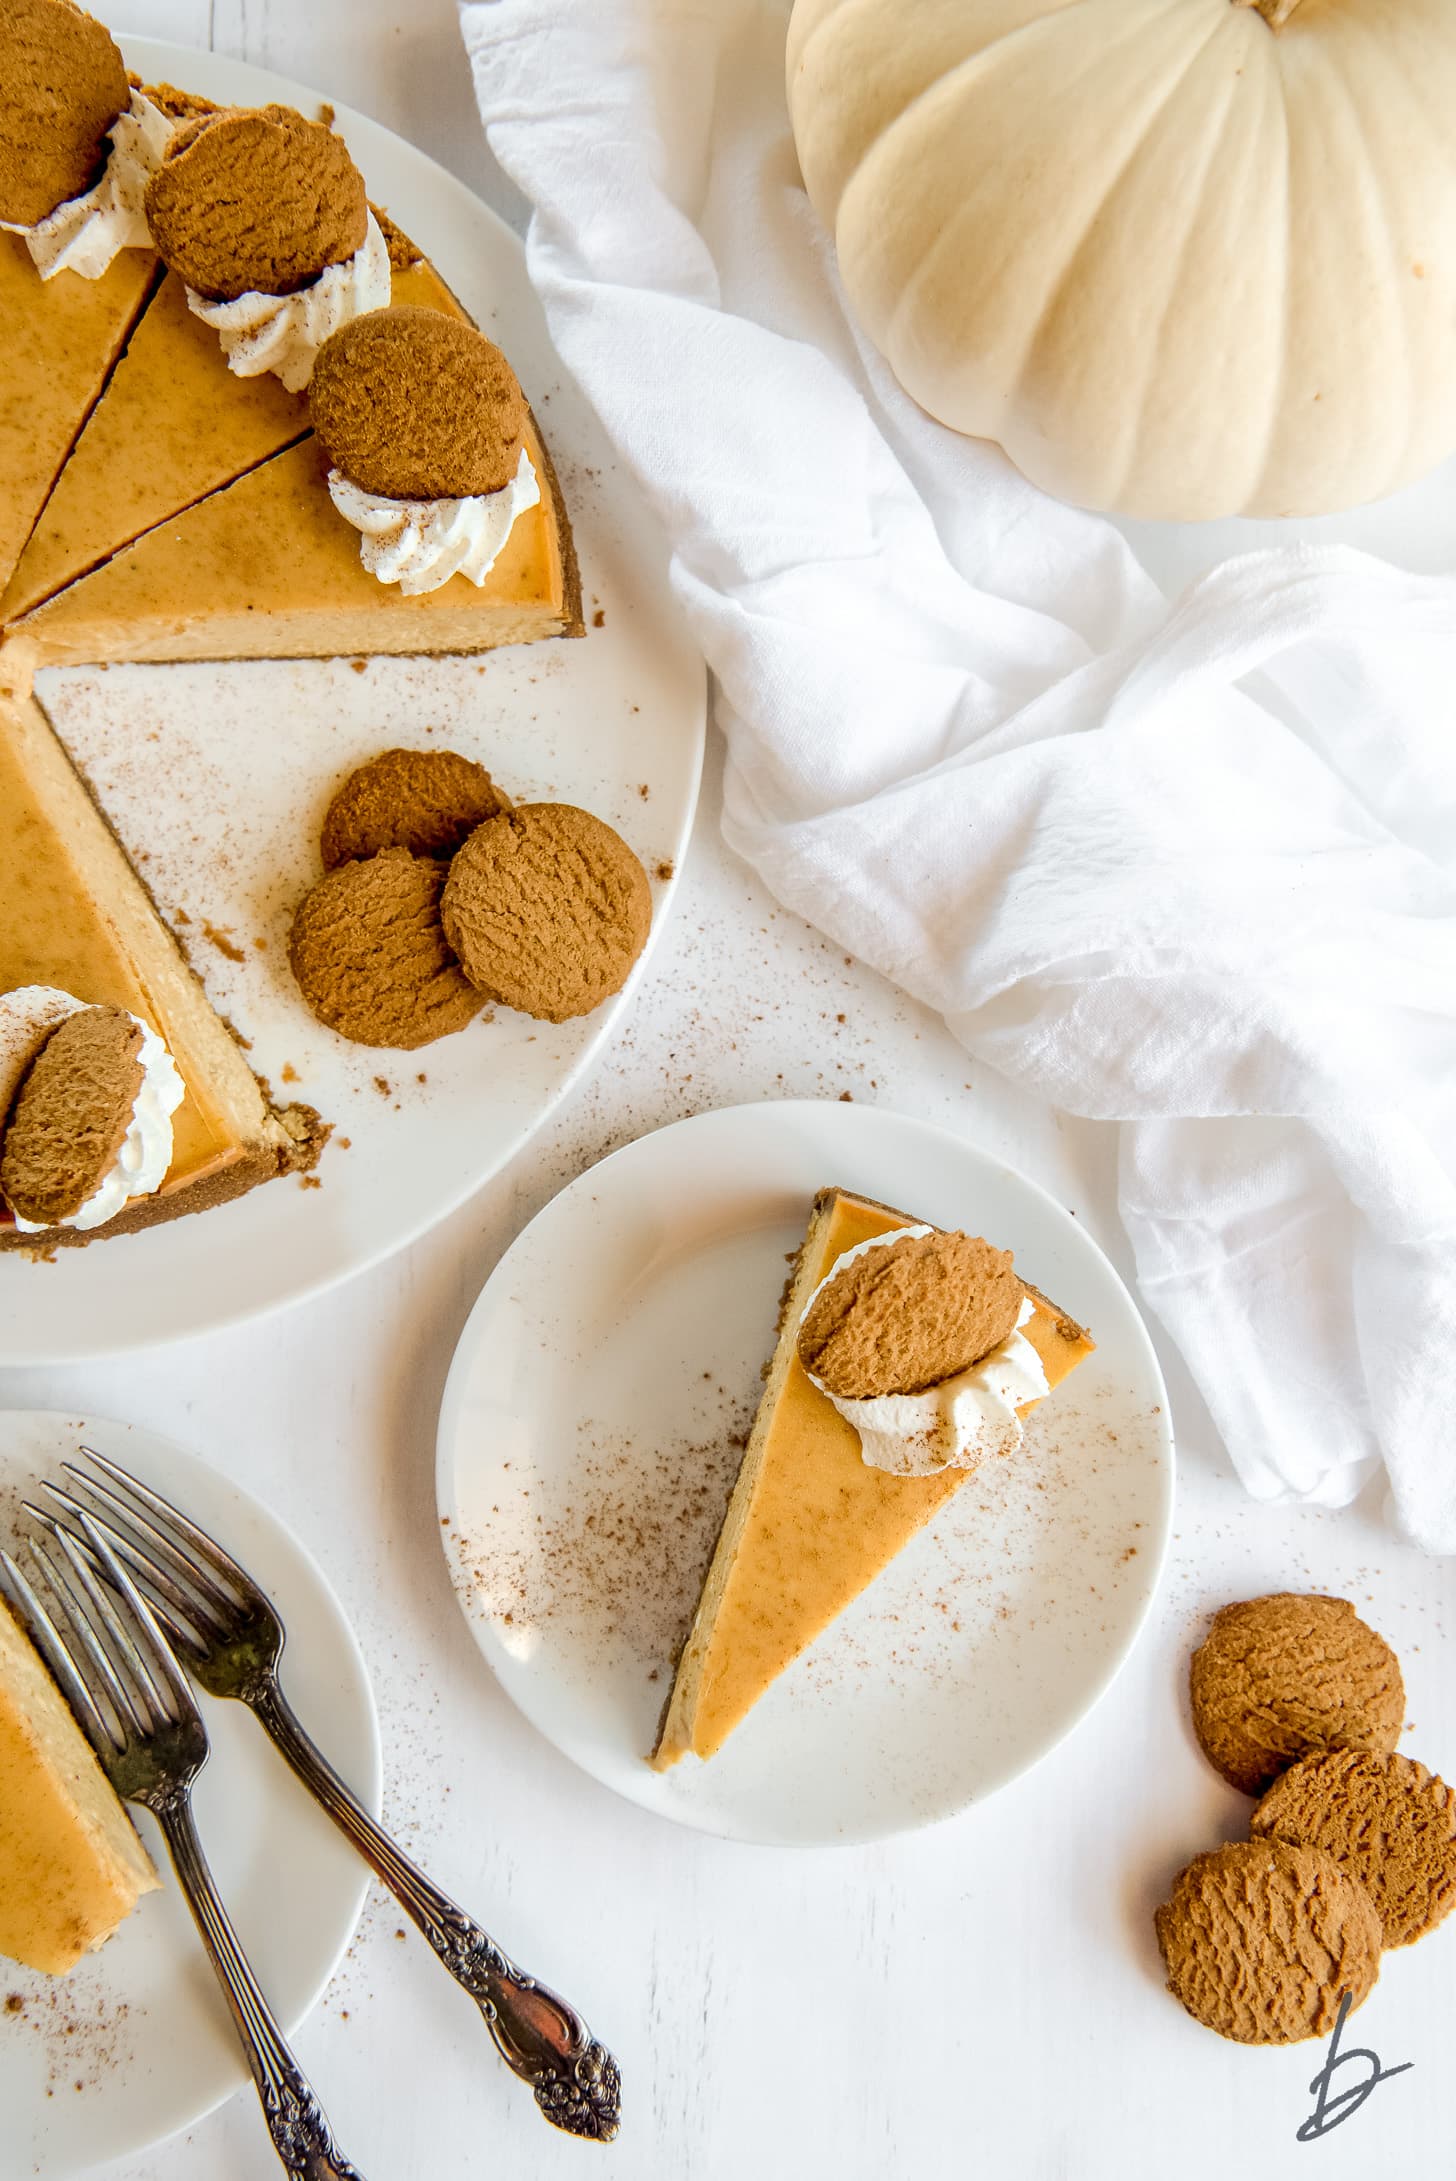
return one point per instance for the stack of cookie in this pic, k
(1352, 1847)
(441, 896)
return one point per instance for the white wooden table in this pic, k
(983, 2000)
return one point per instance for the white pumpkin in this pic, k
(1181, 258)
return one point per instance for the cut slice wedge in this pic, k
(810, 1524)
(62, 337)
(173, 425)
(73, 914)
(268, 569)
(71, 1865)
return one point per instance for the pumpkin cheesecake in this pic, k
(77, 142)
(167, 494)
(66, 310)
(172, 427)
(74, 917)
(71, 1866)
(267, 569)
(812, 1521)
(62, 339)
(176, 422)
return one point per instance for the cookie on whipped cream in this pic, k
(264, 217)
(424, 425)
(78, 144)
(90, 1127)
(917, 1338)
(908, 1314)
(65, 84)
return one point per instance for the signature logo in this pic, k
(1331, 2106)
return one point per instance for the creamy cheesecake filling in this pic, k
(71, 1866)
(420, 544)
(52, 933)
(86, 233)
(284, 333)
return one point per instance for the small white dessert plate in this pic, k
(592, 1427)
(136, 2042)
(252, 753)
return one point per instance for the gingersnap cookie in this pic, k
(178, 105)
(71, 1115)
(64, 83)
(905, 1315)
(1261, 1939)
(1281, 1677)
(547, 909)
(255, 201)
(370, 956)
(428, 801)
(413, 405)
(1386, 1820)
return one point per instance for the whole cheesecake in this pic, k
(163, 496)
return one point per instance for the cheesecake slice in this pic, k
(173, 425)
(74, 915)
(810, 1524)
(71, 1865)
(268, 569)
(62, 337)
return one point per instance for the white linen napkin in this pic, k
(970, 740)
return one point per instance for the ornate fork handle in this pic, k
(576, 2081)
(295, 2119)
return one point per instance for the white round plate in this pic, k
(591, 1431)
(136, 2042)
(253, 751)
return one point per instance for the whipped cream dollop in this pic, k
(420, 544)
(85, 233)
(953, 1425)
(28, 1015)
(284, 333)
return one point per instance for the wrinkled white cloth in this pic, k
(970, 739)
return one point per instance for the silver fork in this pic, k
(136, 1710)
(231, 1637)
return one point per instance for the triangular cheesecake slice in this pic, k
(268, 569)
(73, 914)
(71, 1865)
(810, 1524)
(173, 425)
(62, 337)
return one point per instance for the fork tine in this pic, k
(129, 1662)
(183, 1635)
(57, 1656)
(150, 1539)
(187, 1618)
(184, 1704)
(205, 1549)
(72, 1595)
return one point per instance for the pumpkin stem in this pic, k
(1276, 13)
